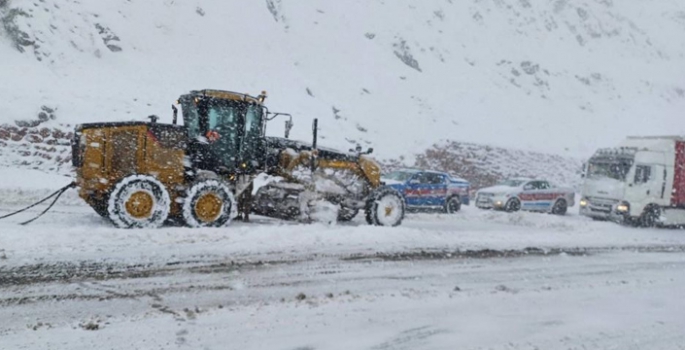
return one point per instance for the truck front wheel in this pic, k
(452, 205)
(650, 217)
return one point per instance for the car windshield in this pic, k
(511, 183)
(399, 175)
(615, 169)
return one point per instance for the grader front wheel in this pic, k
(138, 201)
(385, 207)
(209, 203)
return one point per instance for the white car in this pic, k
(526, 194)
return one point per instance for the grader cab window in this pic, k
(191, 120)
(254, 122)
(222, 131)
(228, 132)
(251, 146)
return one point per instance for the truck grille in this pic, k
(601, 204)
(484, 198)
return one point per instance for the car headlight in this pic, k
(583, 203)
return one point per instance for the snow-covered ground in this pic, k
(473, 280)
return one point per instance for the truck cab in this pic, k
(636, 182)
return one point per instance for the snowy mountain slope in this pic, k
(552, 76)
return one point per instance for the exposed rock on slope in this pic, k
(485, 165)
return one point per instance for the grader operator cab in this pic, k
(140, 174)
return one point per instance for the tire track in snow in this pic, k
(90, 270)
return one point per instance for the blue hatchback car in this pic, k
(429, 190)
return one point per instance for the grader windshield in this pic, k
(227, 128)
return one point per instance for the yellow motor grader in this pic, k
(141, 174)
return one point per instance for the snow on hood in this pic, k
(498, 189)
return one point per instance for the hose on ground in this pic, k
(56, 194)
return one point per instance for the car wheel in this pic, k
(512, 205)
(560, 207)
(452, 205)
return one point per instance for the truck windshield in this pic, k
(616, 169)
(399, 175)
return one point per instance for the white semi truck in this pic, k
(640, 182)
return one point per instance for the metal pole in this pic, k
(173, 108)
(315, 129)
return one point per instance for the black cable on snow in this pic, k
(57, 193)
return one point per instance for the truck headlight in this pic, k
(622, 208)
(583, 203)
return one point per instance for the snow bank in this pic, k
(77, 233)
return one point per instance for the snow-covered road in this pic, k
(474, 280)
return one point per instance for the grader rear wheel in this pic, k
(209, 203)
(138, 201)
